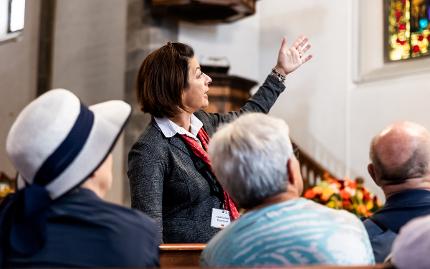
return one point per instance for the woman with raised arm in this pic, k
(169, 169)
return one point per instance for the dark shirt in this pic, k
(399, 209)
(85, 231)
(402, 207)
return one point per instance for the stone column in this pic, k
(145, 33)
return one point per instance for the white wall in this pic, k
(331, 116)
(18, 76)
(315, 102)
(252, 46)
(238, 41)
(89, 58)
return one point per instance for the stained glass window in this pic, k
(408, 29)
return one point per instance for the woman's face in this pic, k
(195, 95)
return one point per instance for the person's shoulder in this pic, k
(151, 133)
(204, 117)
(334, 214)
(201, 114)
(218, 250)
(127, 218)
(151, 140)
(87, 208)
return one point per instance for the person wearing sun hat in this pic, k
(62, 152)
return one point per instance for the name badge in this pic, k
(220, 218)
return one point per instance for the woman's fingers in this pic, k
(307, 58)
(306, 48)
(284, 45)
(300, 42)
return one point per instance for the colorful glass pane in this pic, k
(408, 29)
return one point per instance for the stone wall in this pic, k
(145, 33)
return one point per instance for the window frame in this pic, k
(368, 43)
(9, 35)
(9, 19)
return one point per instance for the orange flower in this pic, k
(317, 189)
(309, 194)
(351, 184)
(345, 194)
(362, 209)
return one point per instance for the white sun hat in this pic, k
(57, 142)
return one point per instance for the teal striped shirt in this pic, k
(295, 232)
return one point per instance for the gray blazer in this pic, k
(164, 180)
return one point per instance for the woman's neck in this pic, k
(183, 119)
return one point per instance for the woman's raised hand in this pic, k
(290, 58)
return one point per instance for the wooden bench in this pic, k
(180, 255)
(188, 255)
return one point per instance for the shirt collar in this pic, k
(408, 198)
(169, 128)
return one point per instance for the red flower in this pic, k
(398, 14)
(346, 204)
(402, 26)
(421, 38)
(366, 196)
(416, 49)
(401, 42)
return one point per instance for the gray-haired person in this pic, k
(253, 159)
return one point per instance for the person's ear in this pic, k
(290, 171)
(295, 180)
(372, 173)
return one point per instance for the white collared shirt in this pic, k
(169, 128)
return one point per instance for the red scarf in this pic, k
(203, 155)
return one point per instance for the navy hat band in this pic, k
(68, 150)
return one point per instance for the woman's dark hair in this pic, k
(162, 78)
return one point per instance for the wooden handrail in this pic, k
(182, 247)
(180, 255)
(188, 255)
(377, 266)
(312, 171)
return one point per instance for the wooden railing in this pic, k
(188, 255)
(312, 171)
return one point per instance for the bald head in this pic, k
(400, 152)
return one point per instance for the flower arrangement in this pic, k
(5, 190)
(347, 194)
(6, 185)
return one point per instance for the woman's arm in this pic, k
(146, 172)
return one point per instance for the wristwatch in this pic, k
(278, 75)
